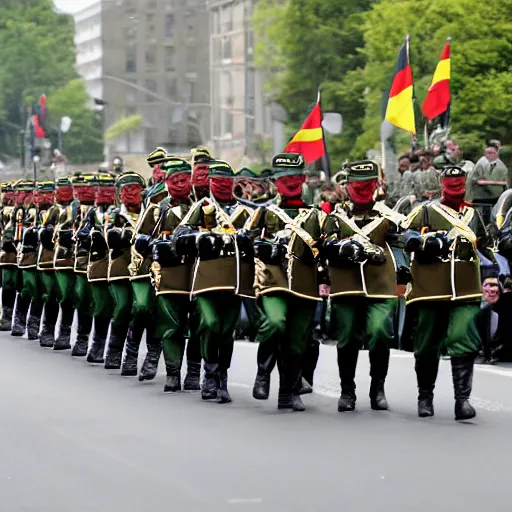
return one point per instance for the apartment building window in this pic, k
(152, 86)
(228, 122)
(216, 22)
(170, 59)
(169, 25)
(131, 59)
(150, 56)
(130, 7)
(150, 23)
(227, 18)
(227, 51)
(191, 58)
(152, 4)
(170, 87)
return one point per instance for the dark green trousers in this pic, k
(172, 327)
(10, 281)
(48, 285)
(446, 327)
(102, 303)
(287, 323)
(31, 285)
(82, 296)
(214, 318)
(122, 297)
(65, 281)
(143, 297)
(356, 318)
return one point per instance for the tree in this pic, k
(480, 61)
(84, 141)
(36, 55)
(306, 44)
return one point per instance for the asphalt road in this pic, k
(74, 437)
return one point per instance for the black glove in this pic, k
(403, 275)
(164, 254)
(347, 253)
(46, 237)
(114, 239)
(375, 256)
(270, 253)
(413, 241)
(464, 250)
(209, 245)
(99, 248)
(245, 248)
(142, 245)
(435, 249)
(30, 240)
(184, 244)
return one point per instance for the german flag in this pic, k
(400, 109)
(309, 140)
(438, 96)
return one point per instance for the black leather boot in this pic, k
(118, 333)
(426, 373)
(8, 300)
(34, 322)
(99, 340)
(462, 374)
(347, 363)
(209, 389)
(150, 365)
(47, 336)
(309, 366)
(131, 356)
(83, 331)
(173, 382)
(19, 323)
(224, 397)
(267, 357)
(379, 364)
(289, 379)
(6, 321)
(63, 341)
(193, 378)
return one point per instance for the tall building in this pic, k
(148, 58)
(240, 119)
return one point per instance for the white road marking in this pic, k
(245, 501)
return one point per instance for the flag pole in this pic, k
(326, 163)
(414, 140)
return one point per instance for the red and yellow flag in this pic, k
(400, 109)
(309, 140)
(438, 96)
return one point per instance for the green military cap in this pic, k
(176, 165)
(361, 170)
(64, 181)
(128, 178)
(266, 174)
(24, 185)
(155, 190)
(220, 169)
(158, 156)
(105, 179)
(246, 173)
(288, 164)
(201, 155)
(45, 186)
(453, 171)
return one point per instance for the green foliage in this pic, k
(350, 49)
(126, 124)
(36, 56)
(83, 143)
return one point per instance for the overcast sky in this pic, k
(72, 5)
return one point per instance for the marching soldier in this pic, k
(8, 257)
(57, 228)
(214, 285)
(286, 281)
(446, 292)
(129, 188)
(97, 269)
(73, 245)
(29, 296)
(171, 274)
(362, 270)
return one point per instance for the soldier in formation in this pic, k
(175, 257)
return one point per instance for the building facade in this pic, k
(240, 119)
(148, 58)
